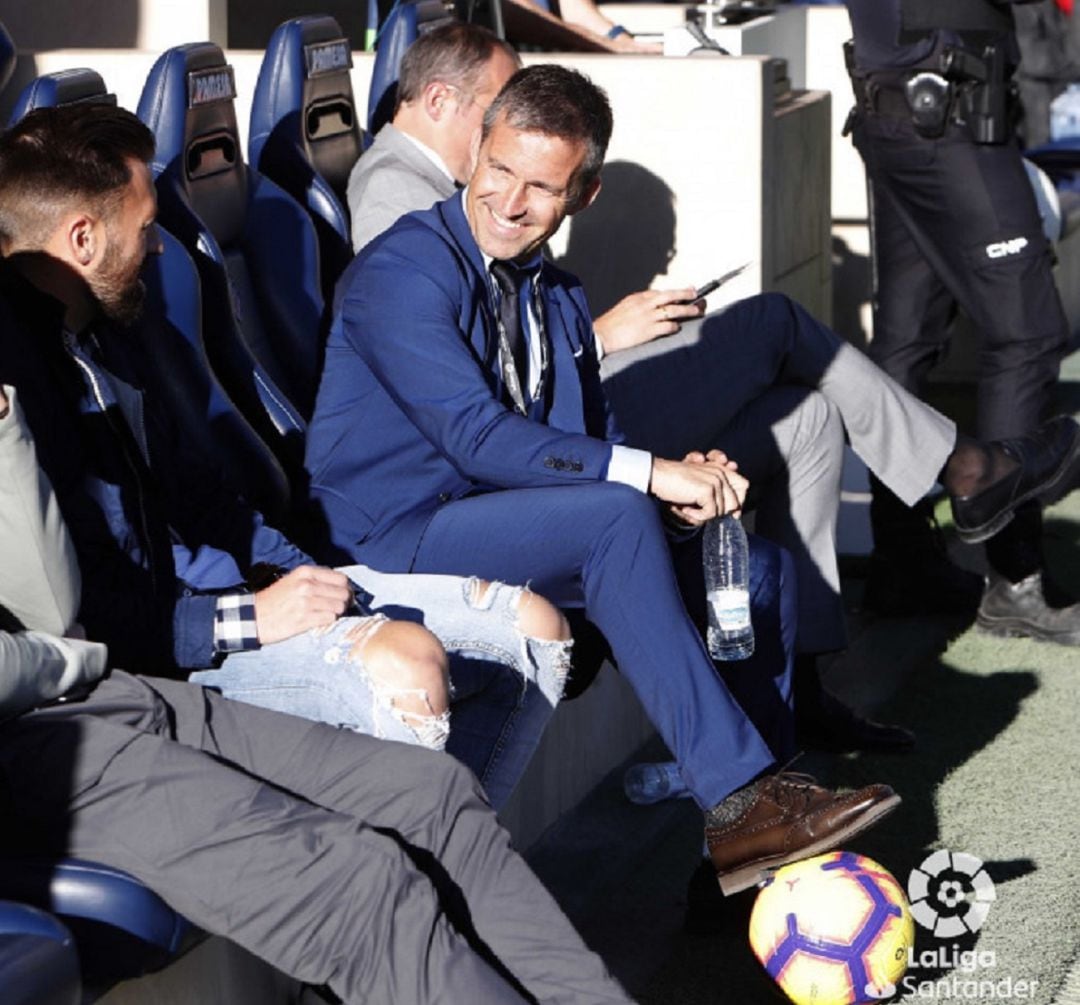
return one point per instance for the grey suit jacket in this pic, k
(391, 179)
(39, 581)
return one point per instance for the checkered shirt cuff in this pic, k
(234, 623)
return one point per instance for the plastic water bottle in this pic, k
(727, 589)
(1065, 114)
(652, 783)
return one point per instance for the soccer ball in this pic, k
(833, 930)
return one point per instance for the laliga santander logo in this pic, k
(950, 894)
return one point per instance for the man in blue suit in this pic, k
(495, 455)
(460, 427)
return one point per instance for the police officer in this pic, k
(954, 221)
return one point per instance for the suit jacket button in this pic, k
(577, 466)
(444, 497)
(549, 462)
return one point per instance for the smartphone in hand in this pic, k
(715, 284)
(704, 291)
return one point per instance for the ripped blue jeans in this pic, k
(504, 684)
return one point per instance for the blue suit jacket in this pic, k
(412, 412)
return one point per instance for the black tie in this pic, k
(511, 280)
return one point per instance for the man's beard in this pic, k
(118, 289)
(125, 306)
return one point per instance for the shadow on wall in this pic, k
(625, 239)
(852, 282)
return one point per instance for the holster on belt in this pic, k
(953, 84)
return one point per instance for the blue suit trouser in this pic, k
(601, 546)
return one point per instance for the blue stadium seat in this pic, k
(38, 962)
(7, 56)
(402, 27)
(171, 329)
(254, 246)
(304, 133)
(122, 928)
(65, 87)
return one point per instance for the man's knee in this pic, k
(408, 668)
(538, 618)
(778, 303)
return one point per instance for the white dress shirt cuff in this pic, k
(630, 466)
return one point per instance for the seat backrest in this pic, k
(304, 132)
(172, 337)
(7, 56)
(254, 246)
(402, 27)
(65, 87)
(171, 329)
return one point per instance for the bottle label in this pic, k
(731, 609)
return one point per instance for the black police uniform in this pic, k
(954, 220)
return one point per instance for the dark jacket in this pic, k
(156, 533)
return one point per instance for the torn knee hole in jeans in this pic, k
(430, 728)
(536, 652)
(542, 650)
(480, 593)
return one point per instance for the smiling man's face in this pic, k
(521, 190)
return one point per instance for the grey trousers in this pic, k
(371, 866)
(775, 389)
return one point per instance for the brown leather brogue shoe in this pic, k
(791, 818)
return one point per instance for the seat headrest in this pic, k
(304, 97)
(7, 56)
(65, 87)
(187, 102)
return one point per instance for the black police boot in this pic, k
(1020, 600)
(1021, 610)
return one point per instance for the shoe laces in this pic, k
(793, 788)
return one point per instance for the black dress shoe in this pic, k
(1020, 610)
(1048, 467)
(828, 724)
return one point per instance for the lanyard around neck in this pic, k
(511, 378)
